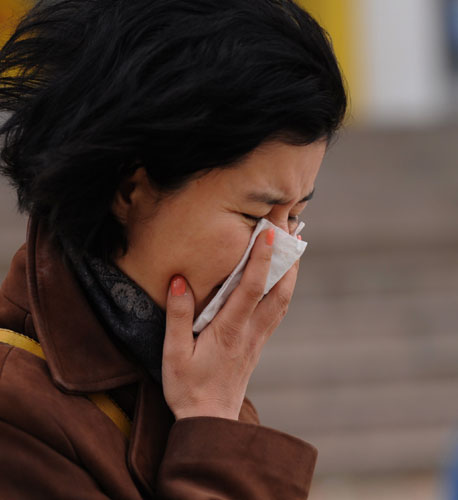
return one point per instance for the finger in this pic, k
(244, 299)
(274, 306)
(179, 340)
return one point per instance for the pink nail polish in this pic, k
(178, 287)
(270, 237)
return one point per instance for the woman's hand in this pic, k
(208, 376)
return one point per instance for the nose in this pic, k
(281, 222)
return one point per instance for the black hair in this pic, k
(95, 88)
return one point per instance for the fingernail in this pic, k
(178, 287)
(270, 237)
(299, 237)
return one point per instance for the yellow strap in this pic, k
(112, 411)
(21, 341)
(102, 400)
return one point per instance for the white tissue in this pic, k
(286, 250)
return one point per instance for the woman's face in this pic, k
(202, 230)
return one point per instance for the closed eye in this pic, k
(252, 217)
(292, 218)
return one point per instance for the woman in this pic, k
(146, 138)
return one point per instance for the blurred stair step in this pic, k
(371, 407)
(337, 361)
(353, 317)
(382, 451)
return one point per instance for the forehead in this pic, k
(276, 168)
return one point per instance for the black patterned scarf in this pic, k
(123, 308)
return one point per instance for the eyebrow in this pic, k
(269, 199)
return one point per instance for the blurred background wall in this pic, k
(399, 56)
(365, 365)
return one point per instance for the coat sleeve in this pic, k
(215, 458)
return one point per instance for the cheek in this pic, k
(223, 253)
(219, 253)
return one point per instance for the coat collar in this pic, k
(82, 357)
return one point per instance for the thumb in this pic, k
(179, 340)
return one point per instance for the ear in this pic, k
(130, 195)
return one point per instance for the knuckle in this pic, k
(229, 333)
(255, 343)
(283, 303)
(254, 292)
(283, 311)
(283, 300)
(266, 255)
(228, 326)
(230, 342)
(229, 329)
(179, 312)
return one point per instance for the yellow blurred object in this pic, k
(10, 13)
(340, 19)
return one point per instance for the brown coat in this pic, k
(57, 444)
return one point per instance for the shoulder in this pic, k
(63, 441)
(70, 424)
(30, 403)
